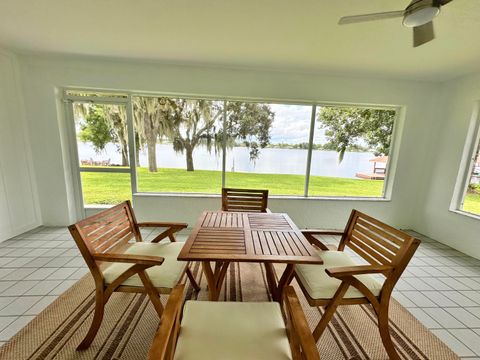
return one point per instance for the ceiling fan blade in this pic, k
(423, 34)
(370, 17)
(443, 2)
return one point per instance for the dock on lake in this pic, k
(378, 171)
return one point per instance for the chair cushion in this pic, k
(166, 275)
(232, 330)
(321, 286)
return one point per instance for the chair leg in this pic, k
(192, 279)
(330, 311)
(385, 333)
(96, 322)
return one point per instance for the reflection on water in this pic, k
(274, 161)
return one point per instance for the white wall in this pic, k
(449, 133)
(42, 75)
(18, 204)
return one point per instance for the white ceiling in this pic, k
(300, 35)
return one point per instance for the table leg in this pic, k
(212, 286)
(214, 278)
(271, 279)
(284, 280)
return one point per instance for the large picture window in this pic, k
(130, 144)
(178, 144)
(350, 151)
(102, 147)
(268, 147)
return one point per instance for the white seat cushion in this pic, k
(232, 330)
(166, 275)
(321, 286)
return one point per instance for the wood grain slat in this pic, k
(249, 237)
(375, 246)
(107, 231)
(286, 244)
(372, 253)
(278, 243)
(389, 245)
(359, 250)
(91, 225)
(396, 236)
(271, 243)
(244, 200)
(122, 236)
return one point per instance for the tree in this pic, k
(152, 121)
(249, 122)
(194, 122)
(197, 122)
(348, 127)
(95, 129)
(104, 124)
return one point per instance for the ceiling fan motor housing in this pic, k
(420, 12)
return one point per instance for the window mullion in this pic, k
(131, 145)
(224, 142)
(310, 148)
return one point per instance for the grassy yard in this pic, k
(472, 203)
(111, 188)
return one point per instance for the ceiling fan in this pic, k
(417, 15)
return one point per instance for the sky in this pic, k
(292, 124)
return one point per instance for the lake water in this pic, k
(276, 161)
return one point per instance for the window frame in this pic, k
(467, 162)
(69, 101)
(127, 101)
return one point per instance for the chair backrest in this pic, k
(246, 200)
(378, 243)
(300, 337)
(105, 231)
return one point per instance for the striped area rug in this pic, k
(130, 323)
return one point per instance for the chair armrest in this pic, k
(309, 235)
(163, 346)
(299, 332)
(172, 228)
(129, 258)
(322, 232)
(163, 224)
(344, 271)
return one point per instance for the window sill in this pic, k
(281, 197)
(467, 214)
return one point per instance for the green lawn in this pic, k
(111, 188)
(472, 203)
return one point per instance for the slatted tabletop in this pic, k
(249, 237)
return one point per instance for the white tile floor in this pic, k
(441, 286)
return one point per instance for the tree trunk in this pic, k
(152, 158)
(124, 156)
(137, 150)
(189, 156)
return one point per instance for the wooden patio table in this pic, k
(223, 237)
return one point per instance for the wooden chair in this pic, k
(342, 281)
(246, 200)
(233, 330)
(119, 265)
